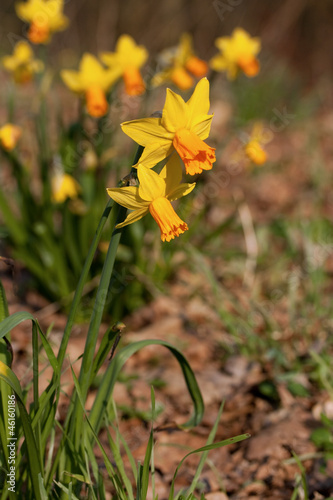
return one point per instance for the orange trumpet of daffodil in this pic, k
(45, 17)
(93, 81)
(155, 194)
(180, 65)
(126, 62)
(22, 64)
(182, 127)
(238, 52)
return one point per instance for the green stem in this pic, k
(82, 282)
(117, 216)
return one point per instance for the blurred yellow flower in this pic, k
(22, 64)
(253, 148)
(64, 186)
(45, 17)
(238, 52)
(154, 195)
(9, 135)
(180, 65)
(126, 62)
(93, 81)
(183, 126)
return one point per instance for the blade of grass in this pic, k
(109, 467)
(213, 446)
(105, 390)
(205, 453)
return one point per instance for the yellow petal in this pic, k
(72, 79)
(155, 153)
(127, 197)
(175, 115)
(201, 126)
(218, 63)
(133, 54)
(151, 186)
(172, 173)
(127, 55)
(147, 131)
(185, 49)
(89, 65)
(198, 104)
(181, 190)
(133, 217)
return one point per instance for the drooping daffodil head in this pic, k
(22, 64)
(92, 81)
(45, 17)
(155, 194)
(63, 187)
(237, 53)
(180, 65)
(126, 62)
(183, 127)
(9, 136)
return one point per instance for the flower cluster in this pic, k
(182, 128)
(178, 135)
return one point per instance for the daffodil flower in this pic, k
(154, 195)
(183, 126)
(93, 81)
(64, 186)
(9, 135)
(238, 52)
(45, 17)
(126, 61)
(253, 148)
(180, 64)
(22, 64)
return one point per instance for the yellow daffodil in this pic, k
(45, 17)
(238, 52)
(180, 65)
(183, 126)
(64, 186)
(154, 195)
(253, 148)
(93, 81)
(9, 135)
(126, 62)
(22, 64)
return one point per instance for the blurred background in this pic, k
(298, 32)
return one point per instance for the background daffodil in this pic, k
(253, 148)
(238, 52)
(126, 62)
(9, 135)
(45, 17)
(64, 186)
(180, 64)
(154, 195)
(22, 64)
(183, 126)
(93, 81)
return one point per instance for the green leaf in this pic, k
(114, 368)
(9, 376)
